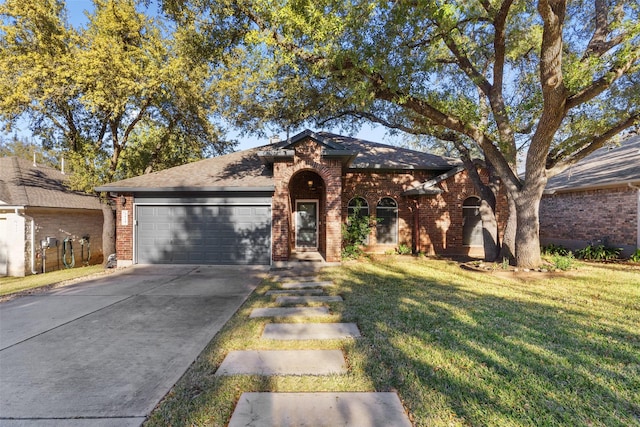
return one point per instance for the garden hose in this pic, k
(67, 248)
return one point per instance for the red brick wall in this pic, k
(124, 233)
(440, 217)
(307, 158)
(577, 218)
(373, 187)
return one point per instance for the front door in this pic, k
(307, 224)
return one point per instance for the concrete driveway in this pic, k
(104, 352)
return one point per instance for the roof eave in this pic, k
(633, 183)
(223, 189)
(270, 156)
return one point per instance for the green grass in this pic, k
(459, 347)
(10, 285)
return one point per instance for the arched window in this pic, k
(360, 206)
(471, 222)
(387, 216)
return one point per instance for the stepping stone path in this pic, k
(319, 410)
(310, 331)
(290, 312)
(306, 409)
(303, 285)
(307, 298)
(295, 292)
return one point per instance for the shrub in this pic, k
(354, 234)
(598, 253)
(563, 262)
(403, 249)
(552, 249)
(635, 257)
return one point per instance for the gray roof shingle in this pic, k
(242, 169)
(245, 170)
(606, 167)
(23, 184)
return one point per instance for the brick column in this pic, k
(124, 232)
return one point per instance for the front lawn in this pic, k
(10, 285)
(459, 347)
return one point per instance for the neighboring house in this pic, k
(37, 213)
(596, 201)
(268, 204)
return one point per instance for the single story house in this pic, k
(596, 201)
(268, 205)
(37, 213)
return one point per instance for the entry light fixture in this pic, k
(310, 184)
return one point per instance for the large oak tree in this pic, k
(557, 79)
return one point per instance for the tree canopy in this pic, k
(123, 87)
(555, 78)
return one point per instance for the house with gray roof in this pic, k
(44, 225)
(288, 199)
(596, 201)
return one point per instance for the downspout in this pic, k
(33, 240)
(631, 185)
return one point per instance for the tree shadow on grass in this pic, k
(487, 354)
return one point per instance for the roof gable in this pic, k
(609, 166)
(24, 184)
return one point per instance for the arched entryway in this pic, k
(307, 191)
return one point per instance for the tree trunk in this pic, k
(489, 230)
(108, 231)
(508, 250)
(528, 230)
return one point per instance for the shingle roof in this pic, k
(606, 167)
(373, 155)
(239, 170)
(23, 184)
(245, 170)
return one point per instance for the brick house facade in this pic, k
(596, 201)
(36, 206)
(299, 191)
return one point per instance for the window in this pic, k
(360, 205)
(387, 216)
(471, 222)
(355, 203)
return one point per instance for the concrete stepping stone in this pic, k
(303, 285)
(310, 331)
(290, 312)
(308, 298)
(283, 362)
(296, 292)
(301, 279)
(319, 410)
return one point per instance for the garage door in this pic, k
(202, 234)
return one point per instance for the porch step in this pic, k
(283, 362)
(304, 285)
(310, 331)
(290, 312)
(320, 410)
(308, 298)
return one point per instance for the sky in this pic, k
(76, 12)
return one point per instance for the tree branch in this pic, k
(563, 160)
(602, 84)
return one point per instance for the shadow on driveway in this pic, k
(105, 351)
